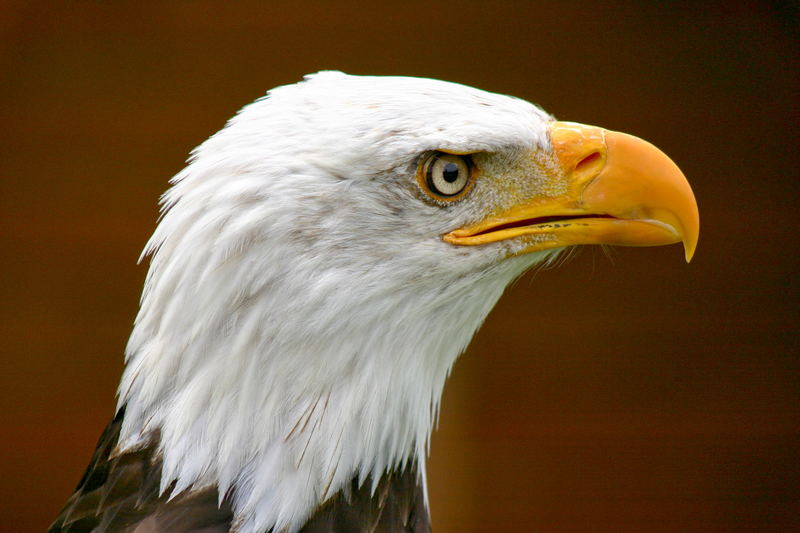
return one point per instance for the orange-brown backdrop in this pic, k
(630, 393)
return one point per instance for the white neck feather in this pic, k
(283, 403)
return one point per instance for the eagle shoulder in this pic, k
(119, 493)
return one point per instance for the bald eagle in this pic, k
(319, 265)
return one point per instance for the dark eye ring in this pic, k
(447, 175)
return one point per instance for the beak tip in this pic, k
(689, 247)
(691, 224)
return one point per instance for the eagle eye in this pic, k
(446, 176)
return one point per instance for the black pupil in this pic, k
(450, 172)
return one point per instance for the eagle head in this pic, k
(321, 262)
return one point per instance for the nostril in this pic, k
(588, 161)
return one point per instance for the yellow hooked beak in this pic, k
(621, 190)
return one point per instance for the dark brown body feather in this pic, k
(120, 494)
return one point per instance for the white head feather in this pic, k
(301, 312)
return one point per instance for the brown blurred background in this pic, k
(630, 393)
